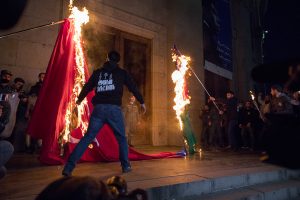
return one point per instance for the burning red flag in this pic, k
(49, 120)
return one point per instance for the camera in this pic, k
(117, 187)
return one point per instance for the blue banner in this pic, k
(217, 37)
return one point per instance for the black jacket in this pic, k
(108, 82)
(231, 108)
(35, 90)
(249, 115)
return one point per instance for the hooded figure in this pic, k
(108, 82)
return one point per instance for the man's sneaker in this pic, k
(126, 170)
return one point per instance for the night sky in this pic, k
(282, 21)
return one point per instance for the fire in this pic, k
(252, 95)
(178, 76)
(75, 113)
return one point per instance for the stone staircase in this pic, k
(275, 184)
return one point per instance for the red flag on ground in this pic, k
(48, 118)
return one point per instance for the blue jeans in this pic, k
(102, 113)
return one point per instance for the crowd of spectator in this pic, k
(16, 106)
(241, 125)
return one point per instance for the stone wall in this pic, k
(27, 54)
(164, 22)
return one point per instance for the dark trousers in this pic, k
(233, 133)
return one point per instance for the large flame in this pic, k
(179, 78)
(75, 113)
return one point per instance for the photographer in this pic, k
(90, 188)
(118, 190)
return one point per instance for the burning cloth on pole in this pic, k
(182, 99)
(58, 121)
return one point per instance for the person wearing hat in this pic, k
(108, 82)
(4, 82)
(6, 148)
(5, 89)
(6, 72)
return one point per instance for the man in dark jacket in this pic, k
(108, 82)
(206, 124)
(280, 103)
(35, 90)
(231, 104)
(248, 118)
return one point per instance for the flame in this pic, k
(252, 95)
(178, 76)
(74, 113)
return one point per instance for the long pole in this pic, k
(204, 88)
(32, 28)
(179, 53)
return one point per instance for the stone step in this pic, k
(283, 190)
(204, 186)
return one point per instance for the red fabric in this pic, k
(47, 120)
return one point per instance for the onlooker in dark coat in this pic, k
(248, 123)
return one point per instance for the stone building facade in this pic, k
(151, 25)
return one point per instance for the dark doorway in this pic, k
(135, 58)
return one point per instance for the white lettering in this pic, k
(105, 84)
(103, 88)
